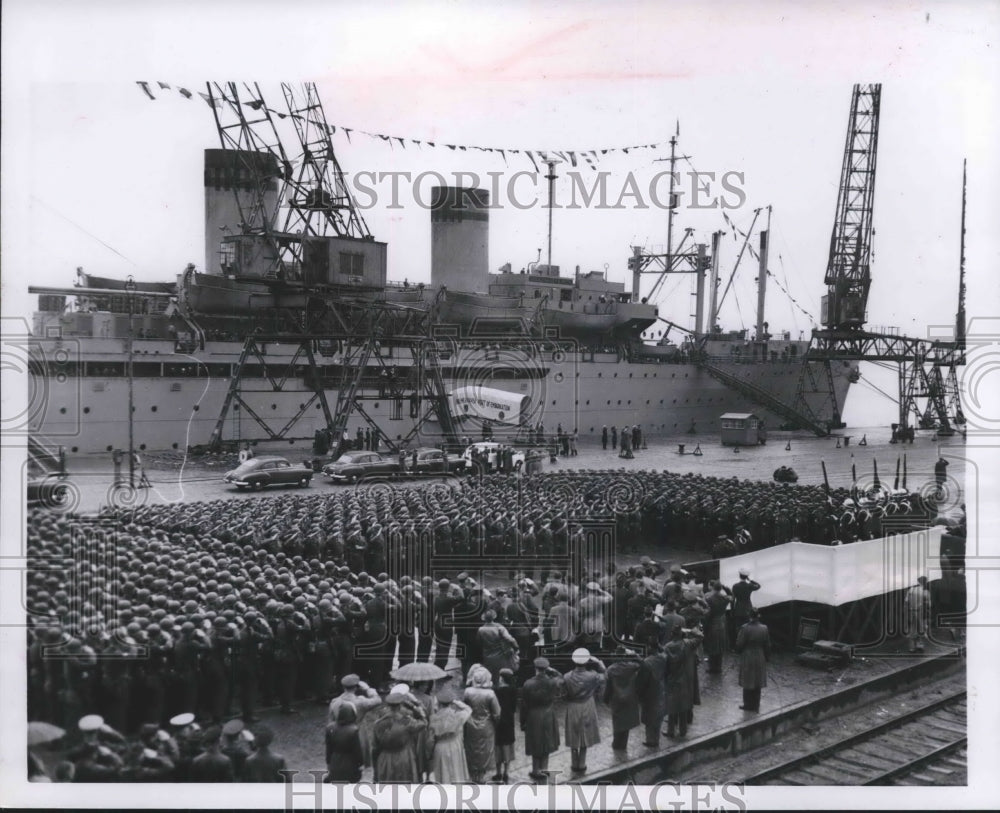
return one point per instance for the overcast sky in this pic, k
(98, 175)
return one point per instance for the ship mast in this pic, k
(672, 200)
(552, 191)
(960, 315)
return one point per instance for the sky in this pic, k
(99, 176)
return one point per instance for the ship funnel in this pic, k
(460, 230)
(232, 178)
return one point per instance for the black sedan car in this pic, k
(354, 466)
(432, 461)
(259, 472)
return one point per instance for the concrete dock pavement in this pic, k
(176, 477)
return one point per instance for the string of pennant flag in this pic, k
(588, 157)
(739, 234)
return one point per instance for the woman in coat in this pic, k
(583, 684)
(621, 695)
(753, 643)
(344, 758)
(447, 726)
(480, 728)
(506, 693)
(393, 741)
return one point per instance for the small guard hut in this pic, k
(740, 429)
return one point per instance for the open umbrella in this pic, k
(415, 672)
(40, 733)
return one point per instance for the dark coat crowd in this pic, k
(215, 609)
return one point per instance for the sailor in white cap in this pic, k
(583, 684)
(90, 723)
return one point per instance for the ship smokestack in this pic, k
(460, 230)
(228, 174)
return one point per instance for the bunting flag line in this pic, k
(575, 158)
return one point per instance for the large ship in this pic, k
(260, 345)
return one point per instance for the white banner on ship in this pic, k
(487, 403)
(798, 571)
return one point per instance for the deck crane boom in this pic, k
(848, 273)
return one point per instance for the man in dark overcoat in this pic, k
(682, 661)
(650, 687)
(753, 643)
(621, 696)
(538, 717)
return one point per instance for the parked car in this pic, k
(491, 450)
(431, 461)
(48, 492)
(353, 466)
(259, 472)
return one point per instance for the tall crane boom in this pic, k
(848, 271)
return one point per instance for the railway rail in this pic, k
(924, 746)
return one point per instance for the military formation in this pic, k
(214, 610)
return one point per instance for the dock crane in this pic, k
(844, 335)
(298, 218)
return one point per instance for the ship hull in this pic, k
(178, 398)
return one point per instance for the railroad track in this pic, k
(925, 746)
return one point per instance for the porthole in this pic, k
(108, 449)
(274, 406)
(86, 410)
(173, 445)
(75, 449)
(62, 410)
(153, 408)
(142, 447)
(196, 407)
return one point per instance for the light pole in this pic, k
(130, 288)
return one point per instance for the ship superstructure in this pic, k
(288, 260)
